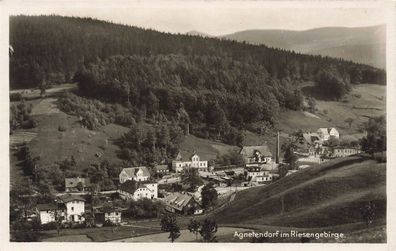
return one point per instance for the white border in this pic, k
(9, 7)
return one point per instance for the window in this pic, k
(72, 208)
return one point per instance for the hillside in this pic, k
(362, 44)
(55, 48)
(363, 102)
(329, 195)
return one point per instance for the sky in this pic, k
(215, 17)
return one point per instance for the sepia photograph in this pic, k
(197, 122)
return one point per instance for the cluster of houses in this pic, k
(316, 147)
(136, 182)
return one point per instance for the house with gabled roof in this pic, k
(66, 208)
(135, 190)
(180, 163)
(75, 207)
(161, 169)
(182, 203)
(51, 212)
(256, 154)
(326, 133)
(77, 184)
(140, 173)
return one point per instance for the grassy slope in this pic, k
(206, 149)
(371, 103)
(326, 195)
(53, 145)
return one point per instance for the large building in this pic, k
(254, 155)
(340, 151)
(132, 190)
(140, 173)
(179, 164)
(326, 133)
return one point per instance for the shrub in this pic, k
(15, 97)
(61, 128)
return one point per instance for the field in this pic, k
(206, 149)
(321, 197)
(87, 146)
(97, 234)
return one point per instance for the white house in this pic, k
(131, 190)
(140, 173)
(75, 207)
(66, 208)
(178, 165)
(262, 179)
(326, 133)
(340, 152)
(51, 212)
(252, 172)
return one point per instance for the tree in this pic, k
(169, 224)
(282, 170)
(194, 226)
(209, 196)
(349, 121)
(208, 230)
(375, 140)
(311, 105)
(191, 177)
(368, 213)
(289, 156)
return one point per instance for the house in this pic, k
(326, 133)
(161, 169)
(132, 190)
(179, 164)
(77, 184)
(262, 179)
(340, 152)
(108, 214)
(140, 173)
(256, 154)
(251, 172)
(182, 203)
(51, 212)
(75, 207)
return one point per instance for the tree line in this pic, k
(54, 48)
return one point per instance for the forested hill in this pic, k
(54, 48)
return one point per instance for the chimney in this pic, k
(277, 148)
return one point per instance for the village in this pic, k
(174, 185)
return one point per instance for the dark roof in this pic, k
(161, 167)
(178, 200)
(73, 182)
(108, 209)
(248, 151)
(48, 206)
(70, 197)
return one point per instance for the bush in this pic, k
(15, 97)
